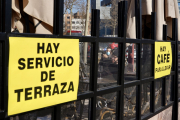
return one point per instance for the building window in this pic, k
(77, 22)
(73, 27)
(68, 27)
(68, 17)
(68, 22)
(73, 22)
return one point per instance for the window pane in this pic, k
(106, 107)
(44, 114)
(146, 59)
(129, 103)
(130, 62)
(158, 94)
(108, 18)
(164, 115)
(79, 16)
(84, 66)
(178, 57)
(77, 110)
(38, 19)
(178, 109)
(169, 80)
(145, 105)
(107, 64)
(178, 84)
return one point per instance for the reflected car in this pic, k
(74, 33)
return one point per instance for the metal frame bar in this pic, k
(5, 28)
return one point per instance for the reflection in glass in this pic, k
(178, 109)
(178, 57)
(44, 114)
(84, 66)
(37, 20)
(164, 115)
(158, 94)
(179, 85)
(107, 64)
(77, 21)
(106, 107)
(108, 18)
(146, 59)
(168, 89)
(77, 110)
(145, 105)
(130, 62)
(129, 103)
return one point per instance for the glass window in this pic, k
(146, 59)
(168, 88)
(130, 62)
(178, 85)
(164, 115)
(68, 22)
(84, 66)
(39, 22)
(106, 107)
(145, 105)
(107, 64)
(158, 93)
(44, 114)
(77, 110)
(68, 17)
(73, 22)
(129, 103)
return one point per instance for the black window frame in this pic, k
(5, 22)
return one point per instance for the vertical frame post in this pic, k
(58, 17)
(175, 38)
(8, 13)
(58, 30)
(138, 70)
(95, 19)
(153, 37)
(122, 47)
(164, 79)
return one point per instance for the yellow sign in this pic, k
(163, 59)
(42, 72)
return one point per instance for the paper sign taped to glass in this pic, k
(163, 59)
(42, 72)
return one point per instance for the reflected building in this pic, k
(106, 17)
(78, 23)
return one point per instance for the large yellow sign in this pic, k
(163, 59)
(42, 72)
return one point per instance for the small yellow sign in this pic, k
(163, 59)
(42, 72)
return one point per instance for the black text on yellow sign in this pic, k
(163, 59)
(42, 72)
